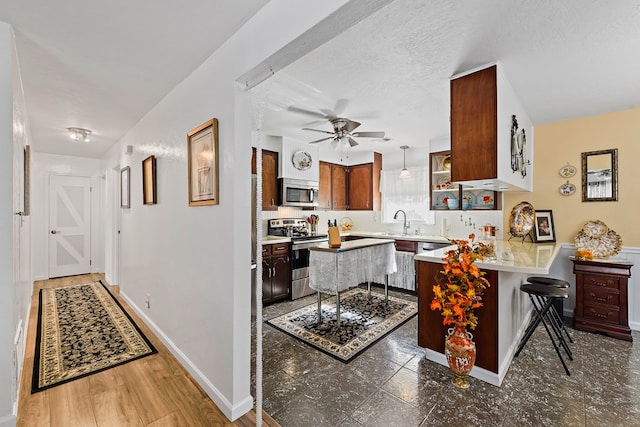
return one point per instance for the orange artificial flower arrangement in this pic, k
(461, 290)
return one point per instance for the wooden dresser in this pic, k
(601, 297)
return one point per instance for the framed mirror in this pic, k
(600, 176)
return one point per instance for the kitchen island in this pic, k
(333, 270)
(505, 313)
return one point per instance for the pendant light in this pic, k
(404, 173)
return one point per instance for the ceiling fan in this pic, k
(342, 127)
(343, 132)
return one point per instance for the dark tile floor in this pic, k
(392, 384)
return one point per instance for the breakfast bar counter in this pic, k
(506, 310)
(333, 270)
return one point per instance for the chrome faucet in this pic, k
(405, 224)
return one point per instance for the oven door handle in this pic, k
(307, 245)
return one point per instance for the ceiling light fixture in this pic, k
(404, 173)
(79, 134)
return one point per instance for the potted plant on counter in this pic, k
(457, 295)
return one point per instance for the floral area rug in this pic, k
(83, 330)
(363, 322)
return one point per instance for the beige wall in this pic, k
(557, 144)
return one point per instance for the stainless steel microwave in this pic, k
(298, 192)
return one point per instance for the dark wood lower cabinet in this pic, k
(276, 272)
(431, 331)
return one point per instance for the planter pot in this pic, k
(460, 351)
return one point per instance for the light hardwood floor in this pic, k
(153, 391)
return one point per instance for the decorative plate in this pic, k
(468, 195)
(567, 189)
(595, 229)
(301, 160)
(444, 180)
(567, 171)
(521, 219)
(605, 246)
(485, 199)
(441, 201)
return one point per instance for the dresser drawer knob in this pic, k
(607, 299)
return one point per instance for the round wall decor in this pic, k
(567, 171)
(301, 160)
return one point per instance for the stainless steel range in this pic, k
(301, 240)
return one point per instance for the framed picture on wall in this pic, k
(202, 157)
(149, 192)
(125, 187)
(544, 229)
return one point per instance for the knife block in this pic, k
(334, 237)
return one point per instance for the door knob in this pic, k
(54, 231)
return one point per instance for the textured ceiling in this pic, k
(104, 65)
(565, 59)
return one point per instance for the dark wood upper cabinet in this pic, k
(270, 191)
(350, 187)
(338, 187)
(491, 133)
(364, 185)
(474, 126)
(324, 185)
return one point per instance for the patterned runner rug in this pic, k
(83, 330)
(363, 322)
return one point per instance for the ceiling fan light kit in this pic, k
(343, 134)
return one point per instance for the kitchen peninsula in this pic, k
(504, 315)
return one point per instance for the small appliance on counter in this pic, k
(301, 241)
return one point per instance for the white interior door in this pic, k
(69, 225)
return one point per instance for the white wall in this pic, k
(45, 165)
(195, 261)
(15, 288)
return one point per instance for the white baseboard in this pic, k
(8, 421)
(232, 412)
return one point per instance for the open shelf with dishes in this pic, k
(443, 191)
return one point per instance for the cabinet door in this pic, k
(281, 276)
(324, 186)
(339, 187)
(266, 280)
(360, 187)
(269, 180)
(474, 126)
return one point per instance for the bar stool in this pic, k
(542, 297)
(550, 281)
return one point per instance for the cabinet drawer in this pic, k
(601, 281)
(406, 246)
(604, 313)
(594, 295)
(266, 250)
(280, 249)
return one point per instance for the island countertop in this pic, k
(528, 258)
(350, 245)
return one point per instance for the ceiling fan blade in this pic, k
(318, 130)
(307, 112)
(368, 134)
(352, 142)
(341, 106)
(351, 125)
(320, 140)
